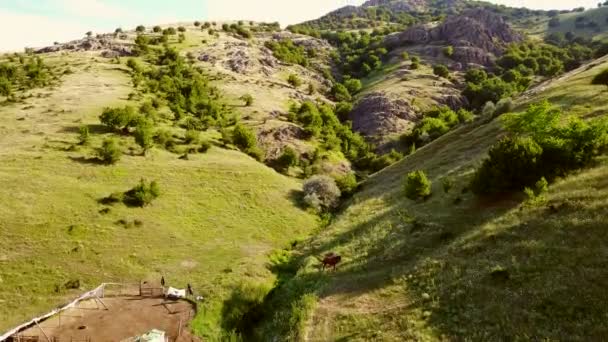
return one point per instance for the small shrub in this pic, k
(353, 85)
(109, 152)
(405, 56)
(83, 135)
(488, 109)
(243, 137)
(144, 134)
(164, 138)
(142, 195)
(441, 70)
(256, 153)
(417, 185)
(347, 184)
(204, 147)
(601, 78)
(321, 192)
(191, 137)
(294, 80)
(447, 184)
(248, 99)
(340, 93)
(288, 158)
(448, 51)
(504, 106)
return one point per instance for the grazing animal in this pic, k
(331, 259)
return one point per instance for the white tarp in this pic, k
(152, 336)
(176, 293)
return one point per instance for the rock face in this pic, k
(107, 43)
(377, 114)
(477, 35)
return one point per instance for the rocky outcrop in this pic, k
(377, 114)
(110, 46)
(477, 36)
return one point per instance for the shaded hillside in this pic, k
(456, 266)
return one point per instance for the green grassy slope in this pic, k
(539, 26)
(218, 216)
(456, 267)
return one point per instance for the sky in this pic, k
(34, 23)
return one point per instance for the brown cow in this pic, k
(331, 259)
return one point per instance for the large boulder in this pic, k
(477, 35)
(377, 114)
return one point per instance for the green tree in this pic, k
(476, 76)
(321, 192)
(441, 70)
(6, 88)
(140, 29)
(353, 85)
(142, 194)
(601, 78)
(287, 159)
(119, 118)
(110, 151)
(157, 29)
(181, 29)
(243, 138)
(340, 93)
(417, 185)
(144, 134)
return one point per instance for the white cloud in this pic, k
(22, 30)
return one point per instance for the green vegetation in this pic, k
(110, 151)
(288, 158)
(119, 119)
(248, 99)
(294, 80)
(417, 185)
(434, 124)
(441, 70)
(288, 52)
(321, 193)
(541, 146)
(601, 78)
(447, 264)
(245, 139)
(142, 194)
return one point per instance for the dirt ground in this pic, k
(125, 317)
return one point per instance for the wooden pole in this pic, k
(43, 332)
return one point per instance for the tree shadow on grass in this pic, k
(88, 161)
(93, 129)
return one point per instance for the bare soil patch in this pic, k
(124, 317)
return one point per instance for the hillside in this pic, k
(217, 217)
(590, 24)
(235, 156)
(455, 266)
